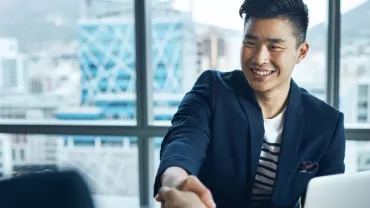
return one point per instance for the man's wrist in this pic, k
(173, 177)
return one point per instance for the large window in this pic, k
(354, 60)
(74, 88)
(185, 42)
(311, 72)
(64, 60)
(109, 164)
(355, 79)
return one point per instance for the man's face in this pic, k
(269, 53)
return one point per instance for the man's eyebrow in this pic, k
(250, 36)
(276, 40)
(271, 40)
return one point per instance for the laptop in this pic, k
(339, 191)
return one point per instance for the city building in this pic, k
(33, 152)
(27, 152)
(108, 73)
(6, 162)
(13, 74)
(90, 78)
(218, 48)
(355, 80)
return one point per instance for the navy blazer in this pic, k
(217, 134)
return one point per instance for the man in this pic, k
(253, 138)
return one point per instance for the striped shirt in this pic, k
(268, 161)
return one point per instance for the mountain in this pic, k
(354, 24)
(35, 21)
(44, 21)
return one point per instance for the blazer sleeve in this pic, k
(332, 161)
(187, 139)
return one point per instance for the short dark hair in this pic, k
(293, 10)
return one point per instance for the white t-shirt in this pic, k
(266, 169)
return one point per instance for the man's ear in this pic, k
(303, 50)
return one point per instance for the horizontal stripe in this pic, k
(267, 172)
(272, 144)
(271, 148)
(269, 151)
(271, 176)
(260, 191)
(267, 168)
(268, 164)
(260, 186)
(263, 183)
(270, 156)
(264, 179)
(268, 160)
(260, 198)
(265, 195)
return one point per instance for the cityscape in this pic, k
(82, 68)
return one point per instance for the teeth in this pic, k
(262, 73)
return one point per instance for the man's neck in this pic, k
(273, 102)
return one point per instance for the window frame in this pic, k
(144, 129)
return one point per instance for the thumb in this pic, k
(193, 184)
(166, 193)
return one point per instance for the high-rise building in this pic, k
(107, 57)
(27, 152)
(6, 162)
(33, 152)
(355, 79)
(108, 83)
(13, 77)
(218, 48)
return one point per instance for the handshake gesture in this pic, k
(191, 193)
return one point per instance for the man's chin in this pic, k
(261, 88)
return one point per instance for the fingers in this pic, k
(167, 193)
(169, 197)
(162, 191)
(159, 198)
(193, 184)
(174, 198)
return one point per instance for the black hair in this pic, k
(293, 10)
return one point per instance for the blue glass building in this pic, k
(107, 62)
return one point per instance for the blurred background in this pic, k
(68, 86)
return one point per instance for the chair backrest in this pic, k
(45, 190)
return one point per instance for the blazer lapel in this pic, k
(292, 129)
(253, 112)
(291, 137)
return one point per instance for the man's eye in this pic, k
(275, 47)
(248, 43)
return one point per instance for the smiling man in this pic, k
(252, 137)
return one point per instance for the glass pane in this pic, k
(357, 156)
(155, 161)
(355, 64)
(311, 72)
(108, 164)
(186, 42)
(67, 60)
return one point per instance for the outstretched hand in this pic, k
(174, 198)
(190, 193)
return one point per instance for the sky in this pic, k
(224, 13)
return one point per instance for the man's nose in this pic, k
(261, 55)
